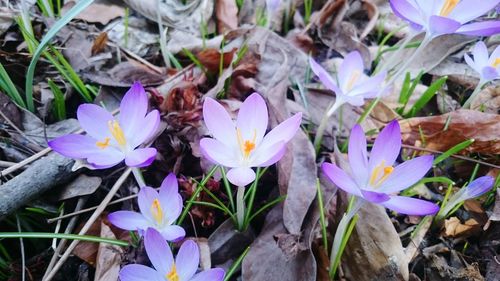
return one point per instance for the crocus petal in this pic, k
(133, 108)
(325, 78)
(358, 159)
(351, 66)
(407, 174)
(241, 176)
(147, 128)
(489, 73)
(284, 132)
(480, 53)
(138, 272)
(218, 153)
(272, 5)
(214, 274)
(406, 11)
(128, 220)
(494, 55)
(74, 146)
(467, 10)
(145, 200)
(158, 251)
(141, 157)
(341, 179)
(172, 208)
(94, 120)
(252, 118)
(472, 63)
(106, 158)
(479, 187)
(387, 146)
(482, 28)
(219, 123)
(168, 189)
(267, 156)
(375, 197)
(372, 84)
(187, 260)
(173, 233)
(441, 25)
(411, 206)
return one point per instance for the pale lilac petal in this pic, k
(187, 260)
(272, 5)
(218, 153)
(241, 176)
(341, 179)
(94, 120)
(406, 11)
(267, 156)
(138, 272)
(386, 147)
(411, 206)
(148, 127)
(407, 174)
(252, 118)
(169, 189)
(494, 55)
(141, 157)
(173, 233)
(441, 25)
(325, 78)
(106, 158)
(219, 123)
(489, 73)
(133, 108)
(74, 146)
(479, 187)
(284, 132)
(374, 197)
(172, 208)
(370, 85)
(214, 274)
(128, 220)
(482, 28)
(351, 66)
(158, 251)
(358, 159)
(354, 100)
(145, 200)
(472, 63)
(467, 10)
(480, 54)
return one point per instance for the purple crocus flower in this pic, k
(158, 210)
(487, 66)
(183, 268)
(109, 141)
(438, 17)
(377, 179)
(353, 85)
(243, 145)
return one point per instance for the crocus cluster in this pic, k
(438, 17)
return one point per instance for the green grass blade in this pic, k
(50, 235)
(59, 103)
(236, 264)
(454, 150)
(426, 96)
(80, 6)
(9, 88)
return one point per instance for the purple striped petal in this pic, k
(483, 28)
(141, 157)
(411, 206)
(375, 197)
(341, 179)
(133, 108)
(358, 159)
(74, 146)
(173, 233)
(158, 251)
(407, 174)
(187, 260)
(219, 153)
(479, 187)
(219, 123)
(441, 25)
(241, 176)
(94, 120)
(386, 147)
(128, 220)
(214, 274)
(138, 272)
(147, 128)
(252, 118)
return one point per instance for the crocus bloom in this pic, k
(438, 17)
(158, 210)
(272, 6)
(377, 179)
(353, 85)
(108, 140)
(487, 66)
(243, 145)
(183, 268)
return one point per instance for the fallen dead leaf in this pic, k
(109, 257)
(99, 43)
(227, 15)
(210, 58)
(453, 227)
(97, 12)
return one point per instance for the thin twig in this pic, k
(17, 129)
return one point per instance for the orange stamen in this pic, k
(448, 7)
(103, 144)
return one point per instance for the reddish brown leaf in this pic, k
(211, 58)
(99, 43)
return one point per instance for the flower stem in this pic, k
(138, 177)
(383, 66)
(240, 207)
(474, 94)
(324, 122)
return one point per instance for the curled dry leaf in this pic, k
(211, 58)
(227, 15)
(460, 125)
(109, 257)
(453, 227)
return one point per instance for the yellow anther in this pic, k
(173, 275)
(496, 63)
(376, 179)
(246, 146)
(103, 144)
(448, 7)
(354, 78)
(157, 211)
(117, 132)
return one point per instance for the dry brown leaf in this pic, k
(210, 58)
(453, 227)
(96, 12)
(227, 15)
(99, 43)
(462, 125)
(488, 100)
(109, 257)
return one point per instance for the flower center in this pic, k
(380, 173)
(246, 146)
(496, 63)
(448, 7)
(157, 211)
(117, 132)
(354, 78)
(172, 275)
(103, 144)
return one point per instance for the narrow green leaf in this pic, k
(50, 235)
(59, 102)
(9, 88)
(426, 96)
(454, 150)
